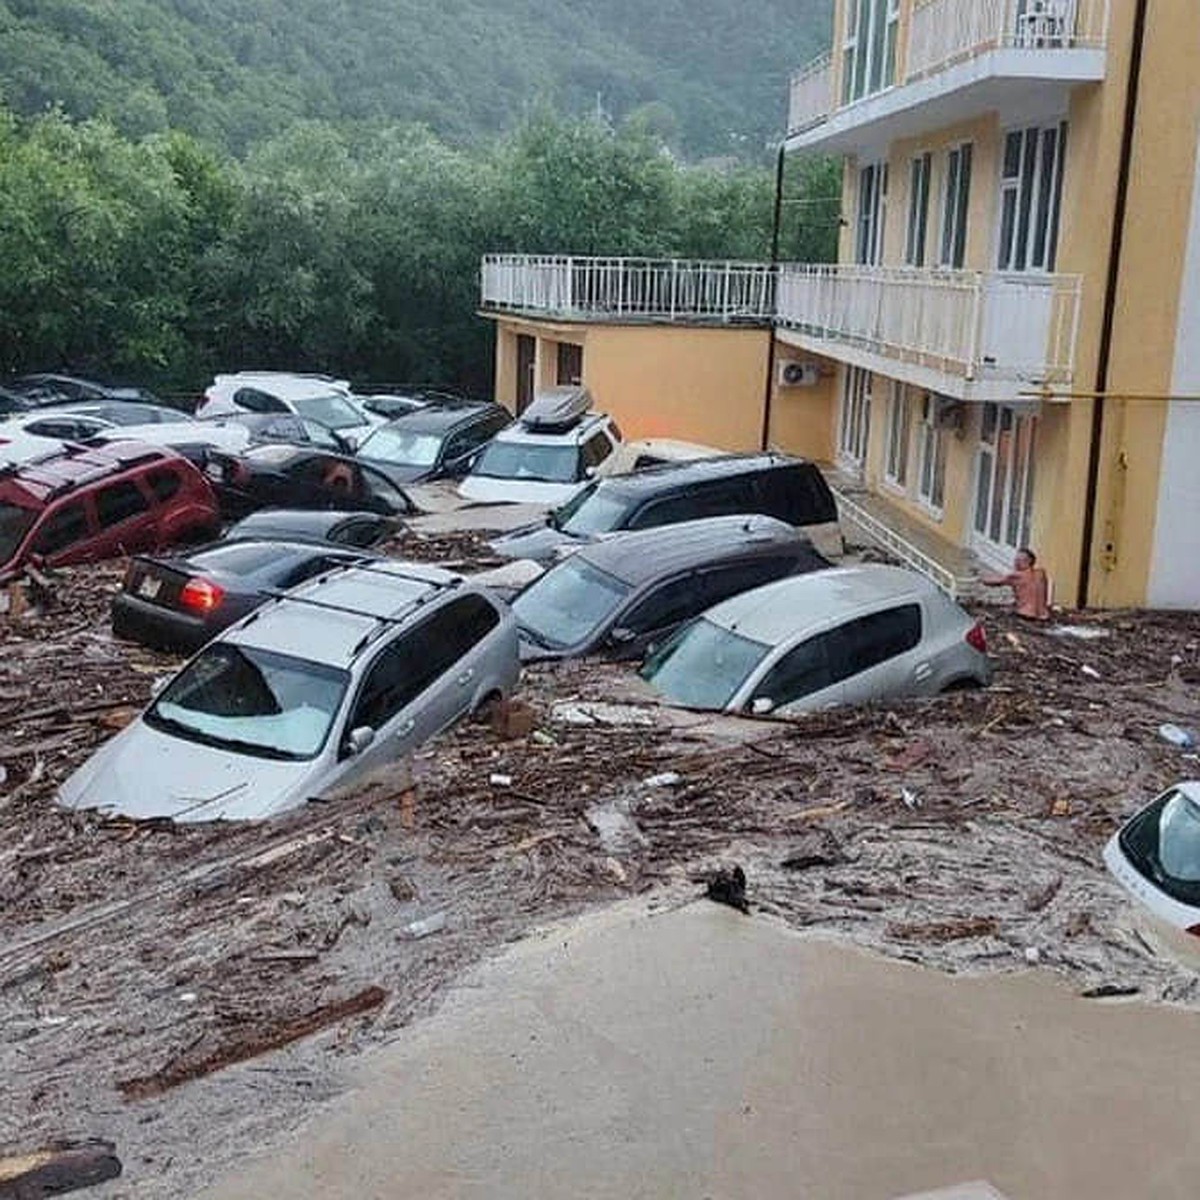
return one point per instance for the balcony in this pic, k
(970, 335)
(964, 58)
(628, 290)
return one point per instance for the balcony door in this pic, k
(854, 424)
(872, 213)
(1004, 482)
(1031, 197)
(956, 207)
(869, 47)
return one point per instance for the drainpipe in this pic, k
(776, 220)
(1104, 361)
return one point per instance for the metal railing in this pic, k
(628, 288)
(1018, 326)
(811, 95)
(944, 32)
(900, 548)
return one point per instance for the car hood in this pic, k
(487, 489)
(540, 542)
(143, 774)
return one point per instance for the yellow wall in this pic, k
(804, 419)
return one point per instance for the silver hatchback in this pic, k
(306, 696)
(848, 635)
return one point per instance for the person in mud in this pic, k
(1030, 586)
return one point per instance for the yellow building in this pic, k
(1002, 354)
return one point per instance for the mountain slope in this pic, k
(711, 74)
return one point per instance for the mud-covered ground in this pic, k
(138, 961)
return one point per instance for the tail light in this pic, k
(976, 638)
(201, 596)
(1194, 930)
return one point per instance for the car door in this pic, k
(125, 525)
(875, 654)
(803, 678)
(64, 535)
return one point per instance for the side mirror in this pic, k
(350, 444)
(761, 705)
(360, 739)
(621, 636)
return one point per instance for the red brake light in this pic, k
(1194, 930)
(201, 596)
(976, 638)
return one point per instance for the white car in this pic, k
(547, 455)
(1155, 856)
(319, 398)
(307, 696)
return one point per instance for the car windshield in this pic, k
(334, 412)
(251, 701)
(1163, 843)
(14, 525)
(703, 665)
(596, 509)
(395, 444)
(529, 460)
(568, 603)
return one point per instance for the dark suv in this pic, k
(772, 485)
(432, 443)
(100, 502)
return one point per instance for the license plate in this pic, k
(213, 471)
(149, 588)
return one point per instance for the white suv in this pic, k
(551, 451)
(319, 398)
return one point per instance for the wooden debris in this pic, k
(943, 931)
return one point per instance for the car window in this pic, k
(318, 434)
(868, 641)
(1163, 843)
(720, 582)
(529, 460)
(252, 400)
(725, 497)
(164, 483)
(596, 449)
(15, 523)
(801, 672)
(668, 511)
(667, 605)
(333, 411)
(463, 623)
(360, 533)
(118, 502)
(62, 529)
(381, 489)
(316, 469)
(466, 440)
(797, 494)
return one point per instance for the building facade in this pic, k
(1004, 352)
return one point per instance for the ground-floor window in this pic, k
(570, 363)
(931, 439)
(1004, 477)
(854, 426)
(899, 435)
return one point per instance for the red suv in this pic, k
(100, 502)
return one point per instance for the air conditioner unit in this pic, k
(798, 374)
(950, 414)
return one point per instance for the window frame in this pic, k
(898, 448)
(956, 207)
(126, 485)
(920, 178)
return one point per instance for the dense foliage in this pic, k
(160, 260)
(711, 74)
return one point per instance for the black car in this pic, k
(626, 592)
(773, 485)
(44, 389)
(286, 427)
(362, 530)
(399, 401)
(437, 442)
(282, 476)
(180, 603)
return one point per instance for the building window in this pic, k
(869, 47)
(872, 213)
(956, 204)
(526, 370)
(899, 434)
(1031, 197)
(570, 363)
(932, 440)
(918, 210)
(854, 427)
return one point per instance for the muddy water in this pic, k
(696, 1052)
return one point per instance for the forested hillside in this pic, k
(709, 76)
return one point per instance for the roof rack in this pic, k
(557, 408)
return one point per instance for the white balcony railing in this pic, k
(974, 325)
(811, 96)
(947, 31)
(628, 288)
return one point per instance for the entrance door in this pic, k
(526, 363)
(1004, 482)
(854, 427)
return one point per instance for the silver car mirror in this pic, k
(360, 739)
(761, 705)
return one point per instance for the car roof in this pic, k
(45, 478)
(284, 521)
(651, 481)
(789, 607)
(517, 432)
(287, 387)
(439, 419)
(662, 551)
(333, 618)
